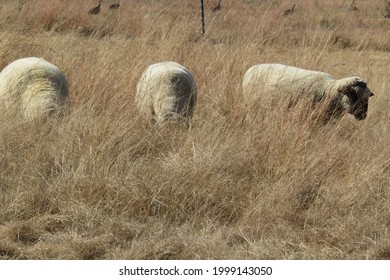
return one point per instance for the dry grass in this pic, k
(242, 183)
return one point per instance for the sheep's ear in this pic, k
(371, 94)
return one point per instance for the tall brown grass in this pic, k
(241, 183)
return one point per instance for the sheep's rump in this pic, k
(165, 91)
(33, 86)
(276, 81)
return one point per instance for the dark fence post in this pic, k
(202, 15)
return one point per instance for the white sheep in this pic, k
(265, 82)
(166, 91)
(33, 87)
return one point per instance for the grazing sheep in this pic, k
(266, 82)
(166, 91)
(33, 87)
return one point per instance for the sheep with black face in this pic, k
(276, 81)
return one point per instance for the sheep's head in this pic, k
(354, 96)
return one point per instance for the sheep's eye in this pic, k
(352, 95)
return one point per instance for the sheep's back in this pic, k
(165, 89)
(275, 81)
(34, 83)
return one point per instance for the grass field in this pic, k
(100, 184)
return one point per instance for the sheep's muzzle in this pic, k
(360, 112)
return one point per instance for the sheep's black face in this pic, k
(360, 111)
(358, 95)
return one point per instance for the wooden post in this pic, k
(202, 15)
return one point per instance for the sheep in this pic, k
(166, 91)
(33, 86)
(349, 94)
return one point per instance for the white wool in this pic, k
(166, 91)
(270, 82)
(32, 86)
